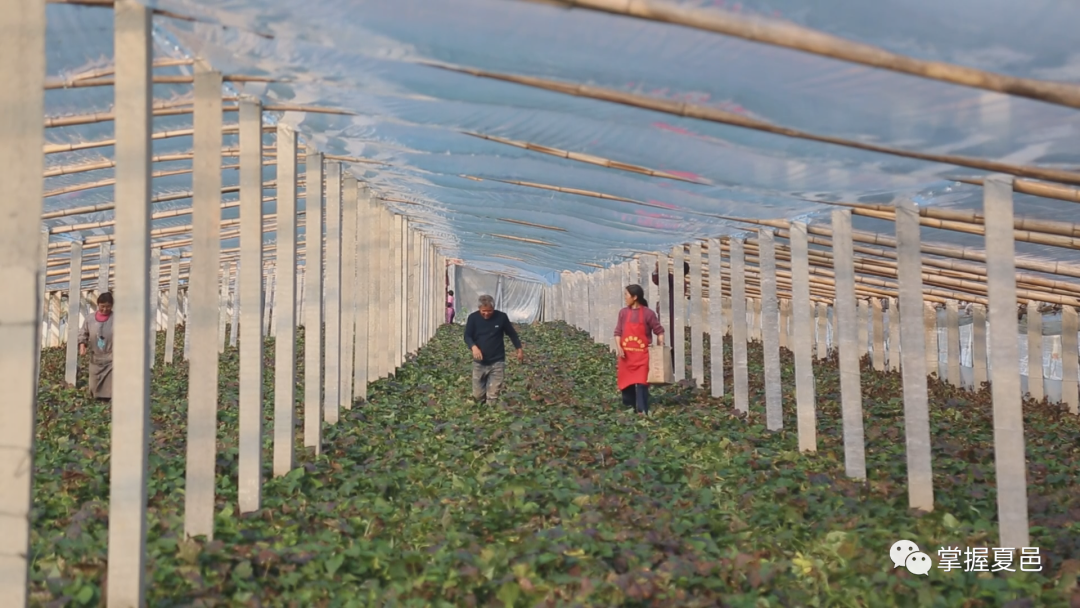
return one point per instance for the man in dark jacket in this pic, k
(484, 332)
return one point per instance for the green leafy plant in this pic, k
(557, 495)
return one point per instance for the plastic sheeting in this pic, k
(520, 300)
(363, 56)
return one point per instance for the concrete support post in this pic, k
(864, 327)
(663, 308)
(893, 349)
(234, 298)
(412, 266)
(1035, 351)
(348, 288)
(398, 327)
(269, 314)
(364, 278)
(978, 345)
(204, 311)
(1069, 363)
(1009, 454)
(822, 320)
(952, 348)
(930, 319)
(738, 325)
(313, 321)
(128, 457)
(174, 307)
(697, 322)
(332, 296)
(104, 264)
(285, 314)
(716, 321)
(770, 329)
(803, 337)
(377, 288)
(71, 370)
(22, 69)
(785, 317)
(250, 284)
(155, 303)
(879, 334)
(223, 306)
(846, 313)
(912, 348)
(678, 334)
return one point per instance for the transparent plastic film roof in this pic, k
(513, 178)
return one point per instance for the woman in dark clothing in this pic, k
(633, 334)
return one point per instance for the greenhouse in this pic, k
(824, 250)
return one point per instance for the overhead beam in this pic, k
(800, 38)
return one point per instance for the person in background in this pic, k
(450, 306)
(484, 332)
(96, 337)
(633, 334)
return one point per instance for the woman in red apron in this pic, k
(633, 335)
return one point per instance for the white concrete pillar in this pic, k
(738, 324)
(978, 345)
(697, 322)
(1010, 463)
(850, 377)
(364, 294)
(313, 291)
(893, 349)
(802, 338)
(170, 326)
(770, 329)
(22, 70)
(952, 348)
(332, 301)
(155, 303)
(74, 308)
(204, 313)
(250, 284)
(716, 321)
(912, 349)
(348, 289)
(1035, 351)
(678, 333)
(285, 313)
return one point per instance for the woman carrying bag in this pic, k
(633, 336)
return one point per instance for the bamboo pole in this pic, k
(939, 249)
(737, 120)
(1043, 189)
(800, 38)
(98, 117)
(972, 217)
(111, 162)
(976, 228)
(161, 198)
(170, 79)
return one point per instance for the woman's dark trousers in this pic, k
(636, 395)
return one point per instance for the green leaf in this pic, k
(509, 593)
(85, 594)
(334, 563)
(950, 522)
